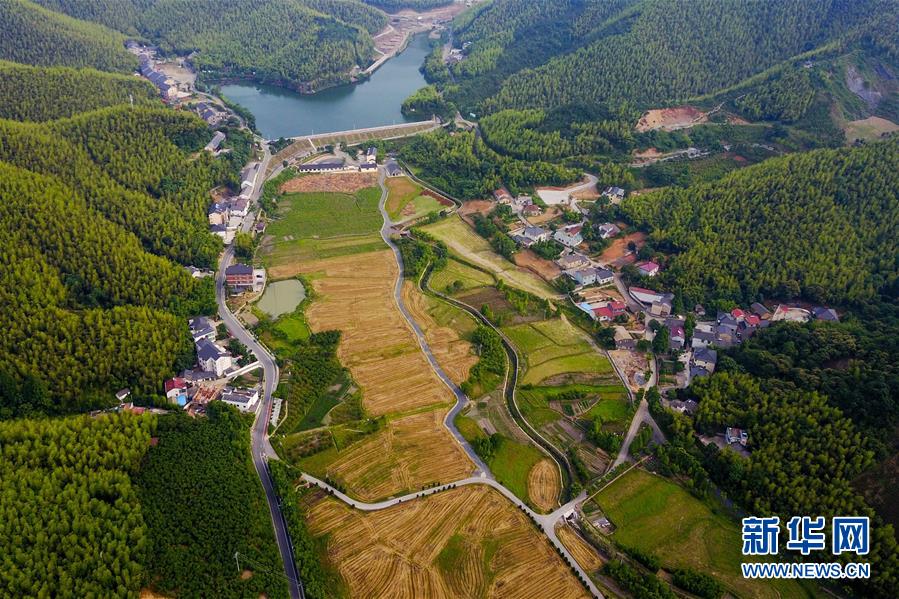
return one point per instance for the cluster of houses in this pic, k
(226, 216)
(194, 389)
(167, 88)
(613, 194)
(522, 204)
(210, 113)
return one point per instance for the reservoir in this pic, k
(284, 113)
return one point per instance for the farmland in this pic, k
(324, 214)
(544, 484)
(411, 452)
(466, 542)
(407, 200)
(554, 347)
(655, 515)
(582, 552)
(468, 277)
(462, 240)
(348, 183)
(446, 328)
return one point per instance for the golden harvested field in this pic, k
(583, 553)
(410, 453)
(331, 182)
(466, 542)
(544, 485)
(442, 324)
(355, 296)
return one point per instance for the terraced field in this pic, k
(462, 240)
(554, 347)
(467, 542)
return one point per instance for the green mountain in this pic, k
(821, 225)
(35, 35)
(300, 43)
(45, 93)
(95, 212)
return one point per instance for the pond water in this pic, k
(282, 297)
(284, 113)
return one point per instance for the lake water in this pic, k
(283, 113)
(282, 297)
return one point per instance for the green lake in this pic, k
(282, 297)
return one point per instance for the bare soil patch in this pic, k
(541, 266)
(630, 363)
(617, 254)
(466, 542)
(869, 129)
(482, 207)
(671, 119)
(336, 182)
(544, 485)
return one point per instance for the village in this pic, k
(615, 288)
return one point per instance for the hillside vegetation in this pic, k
(822, 225)
(35, 35)
(94, 210)
(46, 93)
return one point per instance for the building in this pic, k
(209, 114)
(646, 296)
(615, 194)
(532, 210)
(662, 307)
(216, 141)
(201, 328)
(240, 207)
(623, 339)
(736, 435)
(321, 167)
(368, 167)
(393, 169)
(677, 336)
(705, 358)
(583, 276)
(220, 230)
(648, 268)
(122, 394)
(502, 196)
(213, 358)
(244, 400)
(536, 234)
(604, 276)
(607, 230)
(219, 213)
(573, 261)
(826, 314)
(248, 176)
(371, 155)
(174, 387)
(569, 235)
(242, 277)
(702, 339)
(198, 273)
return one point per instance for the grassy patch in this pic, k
(294, 327)
(322, 215)
(591, 363)
(468, 277)
(451, 557)
(657, 516)
(468, 427)
(511, 465)
(401, 191)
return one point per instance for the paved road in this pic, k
(640, 416)
(560, 196)
(260, 447)
(461, 398)
(546, 522)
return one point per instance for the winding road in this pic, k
(260, 447)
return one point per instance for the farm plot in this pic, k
(466, 542)
(401, 191)
(331, 182)
(462, 240)
(655, 515)
(410, 453)
(554, 347)
(355, 296)
(445, 328)
(323, 215)
(456, 277)
(583, 552)
(544, 485)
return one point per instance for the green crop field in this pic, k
(589, 363)
(463, 241)
(471, 278)
(658, 516)
(322, 215)
(512, 463)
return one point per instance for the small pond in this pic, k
(282, 297)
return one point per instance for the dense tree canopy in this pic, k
(70, 520)
(46, 93)
(203, 503)
(35, 35)
(820, 224)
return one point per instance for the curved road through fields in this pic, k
(259, 444)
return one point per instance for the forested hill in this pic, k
(289, 42)
(645, 52)
(35, 35)
(45, 93)
(95, 213)
(823, 225)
